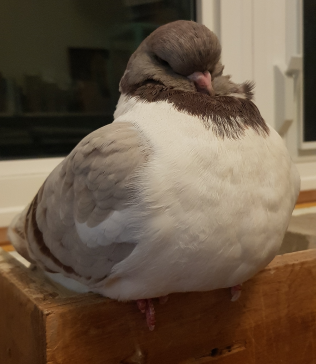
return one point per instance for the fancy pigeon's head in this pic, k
(185, 46)
(182, 55)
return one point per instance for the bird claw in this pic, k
(150, 315)
(146, 306)
(141, 304)
(236, 292)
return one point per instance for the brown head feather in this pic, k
(186, 46)
(174, 51)
(170, 54)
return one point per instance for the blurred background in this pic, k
(61, 63)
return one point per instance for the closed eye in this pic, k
(162, 61)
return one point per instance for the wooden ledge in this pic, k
(306, 197)
(274, 321)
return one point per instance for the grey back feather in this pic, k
(96, 179)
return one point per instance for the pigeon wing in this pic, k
(76, 224)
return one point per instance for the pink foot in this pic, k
(236, 292)
(146, 306)
(142, 304)
(150, 315)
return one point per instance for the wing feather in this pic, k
(75, 222)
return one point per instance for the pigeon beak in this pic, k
(203, 82)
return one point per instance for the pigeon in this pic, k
(188, 189)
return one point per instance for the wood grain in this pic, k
(22, 328)
(305, 205)
(7, 247)
(306, 196)
(3, 236)
(274, 321)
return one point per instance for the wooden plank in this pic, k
(3, 236)
(7, 247)
(22, 336)
(305, 205)
(306, 196)
(25, 298)
(274, 321)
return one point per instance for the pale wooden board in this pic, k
(305, 205)
(3, 236)
(306, 196)
(22, 329)
(273, 322)
(7, 247)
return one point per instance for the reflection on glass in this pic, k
(61, 63)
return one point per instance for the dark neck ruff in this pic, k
(226, 116)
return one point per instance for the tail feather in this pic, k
(16, 234)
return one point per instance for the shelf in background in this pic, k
(46, 135)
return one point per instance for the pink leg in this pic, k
(236, 292)
(142, 304)
(150, 315)
(146, 306)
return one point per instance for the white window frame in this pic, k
(258, 38)
(262, 41)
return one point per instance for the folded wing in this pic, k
(78, 224)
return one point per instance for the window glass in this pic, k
(309, 16)
(60, 65)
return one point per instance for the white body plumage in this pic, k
(211, 212)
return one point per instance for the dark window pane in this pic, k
(309, 70)
(61, 63)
